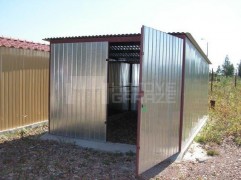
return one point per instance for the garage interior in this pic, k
(123, 86)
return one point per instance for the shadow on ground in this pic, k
(159, 167)
(31, 158)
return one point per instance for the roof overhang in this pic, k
(121, 38)
(99, 38)
(194, 42)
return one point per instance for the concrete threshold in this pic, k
(96, 145)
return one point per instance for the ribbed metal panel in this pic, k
(195, 90)
(135, 74)
(78, 90)
(119, 98)
(135, 86)
(119, 77)
(122, 91)
(24, 77)
(119, 74)
(161, 83)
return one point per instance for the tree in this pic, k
(219, 71)
(227, 67)
(239, 69)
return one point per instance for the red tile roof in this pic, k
(21, 44)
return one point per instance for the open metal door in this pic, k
(160, 94)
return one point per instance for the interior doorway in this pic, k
(123, 86)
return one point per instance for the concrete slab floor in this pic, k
(100, 146)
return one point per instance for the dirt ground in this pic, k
(122, 127)
(31, 158)
(24, 156)
(225, 166)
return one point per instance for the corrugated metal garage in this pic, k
(24, 75)
(130, 88)
(195, 87)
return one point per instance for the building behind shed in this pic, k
(24, 75)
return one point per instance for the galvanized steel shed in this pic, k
(161, 78)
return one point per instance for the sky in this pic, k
(218, 22)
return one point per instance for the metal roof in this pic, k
(121, 38)
(98, 38)
(22, 44)
(194, 42)
(94, 36)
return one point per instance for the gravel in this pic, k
(225, 166)
(24, 156)
(27, 157)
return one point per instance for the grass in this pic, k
(212, 153)
(238, 141)
(225, 118)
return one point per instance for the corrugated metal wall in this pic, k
(121, 90)
(24, 76)
(135, 86)
(119, 77)
(195, 91)
(78, 90)
(161, 83)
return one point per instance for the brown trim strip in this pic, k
(182, 90)
(49, 85)
(140, 94)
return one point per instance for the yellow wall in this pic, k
(24, 81)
